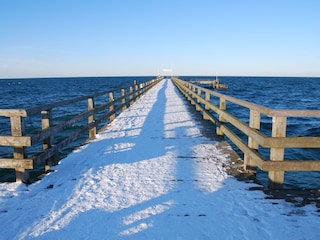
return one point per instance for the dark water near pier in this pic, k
(273, 92)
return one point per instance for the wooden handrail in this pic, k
(13, 113)
(294, 113)
(276, 165)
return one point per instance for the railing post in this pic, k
(136, 87)
(208, 95)
(279, 127)
(46, 122)
(198, 100)
(254, 123)
(185, 92)
(123, 93)
(131, 96)
(111, 108)
(222, 106)
(188, 90)
(92, 131)
(193, 94)
(141, 88)
(19, 152)
(144, 87)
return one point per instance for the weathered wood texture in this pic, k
(95, 115)
(276, 165)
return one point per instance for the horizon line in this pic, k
(52, 77)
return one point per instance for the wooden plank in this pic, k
(131, 96)
(15, 141)
(254, 123)
(93, 131)
(46, 123)
(17, 126)
(207, 98)
(294, 113)
(279, 127)
(16, 163)
(123, 94)
(291, 142)
(222, 108)
(111, 108)
(288, 165)
(198, 99)
(136, 92)
(17, 130)
(19, 152)
(13, 113)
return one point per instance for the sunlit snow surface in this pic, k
(150, 174)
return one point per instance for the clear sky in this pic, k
(41, 38)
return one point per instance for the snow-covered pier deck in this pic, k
(152, 173)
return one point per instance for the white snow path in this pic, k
(150, 174)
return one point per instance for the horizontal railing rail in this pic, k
(89, 119)
(276, 166)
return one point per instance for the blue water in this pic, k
(273, 92)
(24, 93)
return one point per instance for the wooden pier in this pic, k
(210, 84)
(202, 82)
(120, 99)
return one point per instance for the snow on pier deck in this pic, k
(151, 174)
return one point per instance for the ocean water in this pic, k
(273, 92)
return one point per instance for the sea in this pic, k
(273, 92)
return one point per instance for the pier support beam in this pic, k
(198, 100)
(279, 128)
(46, 123)
(205, 116)
(18, 130)
(249, 165)
(223, 106)
(131, 96)
(111, 108)
(92, 131)
(123, 102)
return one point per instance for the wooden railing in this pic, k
(95, 115)
(277, 142)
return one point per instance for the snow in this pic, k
(150, 174)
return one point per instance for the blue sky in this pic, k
(141, 37)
